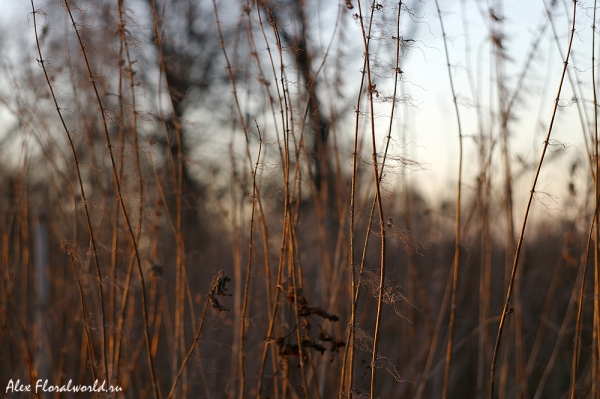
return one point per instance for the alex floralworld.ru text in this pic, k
(44, 386)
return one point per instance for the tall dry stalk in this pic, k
(456, 263)
(123, 208)
(82, 191)
(377, 183)
(346, 382)
(507, 307)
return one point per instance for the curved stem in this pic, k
(456, 261)
(506, 307)
(83, 197)
(123, 208)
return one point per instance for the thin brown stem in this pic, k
(507, 307)
(122, 203)
(83, 196)
(456, 262)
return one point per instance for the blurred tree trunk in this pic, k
(304, 58)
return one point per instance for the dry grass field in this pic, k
(299, 199)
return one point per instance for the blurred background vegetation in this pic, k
(274, 199)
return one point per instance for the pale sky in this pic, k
(432, 123)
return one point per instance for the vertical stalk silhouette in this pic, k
(83, 196)
(377, 182)
(506, 307)
(455, 264)
(580, 303)
(123, 208)
(355, 281)
(243, 318)
(180, 278)
(596, 318)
